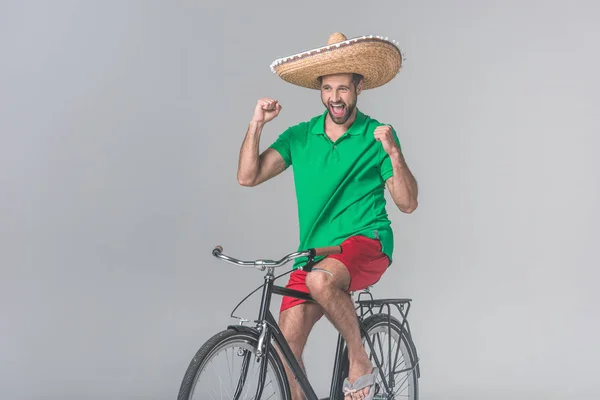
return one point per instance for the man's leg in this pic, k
(296, 323)
(328, 285)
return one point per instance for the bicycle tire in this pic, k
(371, 324)
(204, 354)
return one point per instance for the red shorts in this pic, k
(362, 257)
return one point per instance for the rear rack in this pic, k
(367, 307)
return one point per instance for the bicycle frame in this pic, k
(269, 329)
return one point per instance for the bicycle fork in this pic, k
(262, 353)
(261, 357)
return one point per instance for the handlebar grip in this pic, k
(217, 250)
(325, 251)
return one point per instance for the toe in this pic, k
(364, 393)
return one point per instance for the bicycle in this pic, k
(254, 346)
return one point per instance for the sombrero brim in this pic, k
(377, 59)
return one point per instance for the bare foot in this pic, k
(359, 368)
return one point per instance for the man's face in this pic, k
(339, 95)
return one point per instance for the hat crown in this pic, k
(336, 38)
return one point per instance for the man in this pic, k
(342, 162)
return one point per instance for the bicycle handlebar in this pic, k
(263, 264)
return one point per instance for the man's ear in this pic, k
(359, 87)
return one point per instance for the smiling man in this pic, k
(343, 108)
(342, 161)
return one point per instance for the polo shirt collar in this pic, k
(355, 129)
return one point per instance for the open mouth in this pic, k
(338, 110)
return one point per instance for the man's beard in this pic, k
(340, 114)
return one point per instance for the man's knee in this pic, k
(330, 275)
(318, 281)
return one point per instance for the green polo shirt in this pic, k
(339, 185)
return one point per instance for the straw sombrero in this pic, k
(376, 58)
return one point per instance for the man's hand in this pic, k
(385, 135)
(265, 110)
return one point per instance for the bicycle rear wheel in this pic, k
(226, 367)
(395, 351)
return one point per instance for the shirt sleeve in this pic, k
(385, 168)
(283, 146)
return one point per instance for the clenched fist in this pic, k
(265, 110)
(385, 135)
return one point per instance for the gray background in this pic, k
(121, 124)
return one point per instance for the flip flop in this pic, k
(365, 381)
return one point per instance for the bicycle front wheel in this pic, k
(226, 367)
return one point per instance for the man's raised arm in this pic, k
(255, 168)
